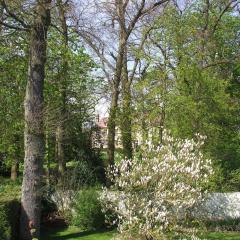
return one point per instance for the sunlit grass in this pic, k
(73, 233)
(224, 236)
(76, 234)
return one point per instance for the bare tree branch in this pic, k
(125, 4)
(137, 59)
(135, 18)
(227, 7)
(85, 36)
(164, 53)
(13, 27)
(221, 62)
(14, 16)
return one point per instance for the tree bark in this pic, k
(126, 120)
(16, 157)
(114, 105)
(34, 131)
(60, 149)
(14, 171)
(115, 85)
(1, 18)
(64, 76)
(47, 158)
(112, 126)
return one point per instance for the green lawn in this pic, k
(224, 236)
(76, 234)
(72, 233)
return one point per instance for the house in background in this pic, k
(100, 138)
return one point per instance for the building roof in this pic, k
(102, 122)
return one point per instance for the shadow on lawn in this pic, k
(50, 233)
(76, 235)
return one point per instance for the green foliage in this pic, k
(13, 75)
(87, 212)
(233, 184)
(70, 100)
(192, 84)
(223, 225)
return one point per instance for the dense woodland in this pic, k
(158, 66)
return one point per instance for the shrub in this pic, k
(87, 212)
(63, 191)
(232, 225)
(234, 182)
(152, 194)
(47, 206)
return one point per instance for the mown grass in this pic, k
(73, 233)
(223, 236)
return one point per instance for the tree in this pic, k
(81, 95)
(190, 74)
(60, 131)
(34, 132)
(121, 22)
(13, 53)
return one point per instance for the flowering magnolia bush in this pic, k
(152, 194)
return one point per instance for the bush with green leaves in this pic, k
(87, 213)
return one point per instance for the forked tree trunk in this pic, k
(34, 132)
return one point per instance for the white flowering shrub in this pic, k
(152, 194)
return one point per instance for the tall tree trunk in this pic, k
(16, 158)
(14, 171)
(60, 132)
(114, 103)
(126, 120)
(60, 149)
(34, 132)
(112, 126)
(116, 81)
(1, 18)
(47, 158)
(161, 124)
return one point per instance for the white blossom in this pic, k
(155, 192)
